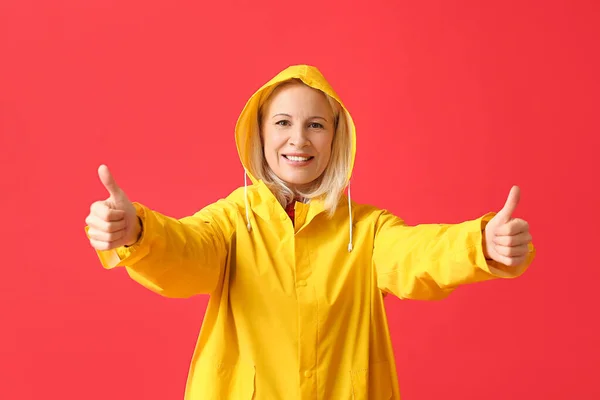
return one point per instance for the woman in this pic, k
(295, 270)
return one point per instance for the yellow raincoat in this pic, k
(294, 313)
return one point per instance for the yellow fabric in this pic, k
(292, 313)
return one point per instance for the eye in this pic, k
(283, 122)
(316, 125)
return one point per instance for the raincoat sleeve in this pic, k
(176, 257)
(429, 261)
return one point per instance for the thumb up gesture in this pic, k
(507, 238)
(112, 222)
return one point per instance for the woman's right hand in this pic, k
(112, 222)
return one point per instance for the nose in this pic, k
(299, 137)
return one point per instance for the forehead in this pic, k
(298, 99)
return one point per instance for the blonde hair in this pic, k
(330, 185)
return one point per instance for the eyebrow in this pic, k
(289, 116)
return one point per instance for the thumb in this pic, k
(108, 181)
(511, 203)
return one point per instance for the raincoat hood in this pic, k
(247, 125)
(312, 77)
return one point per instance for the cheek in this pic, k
(324, 145)
(271, 146)
(268, 143)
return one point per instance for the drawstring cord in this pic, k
(246, 200)
(350, 215)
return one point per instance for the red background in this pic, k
(454, 103)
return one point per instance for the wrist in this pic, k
(137, 232)
(484, 245)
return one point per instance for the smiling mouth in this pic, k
(298, 158)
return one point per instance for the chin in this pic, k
(298, 180)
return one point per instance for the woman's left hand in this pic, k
(506, 239)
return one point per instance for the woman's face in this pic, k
(297, 132)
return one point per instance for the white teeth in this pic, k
(296, 158)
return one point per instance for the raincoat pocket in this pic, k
(224, 381)
(372, 383)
